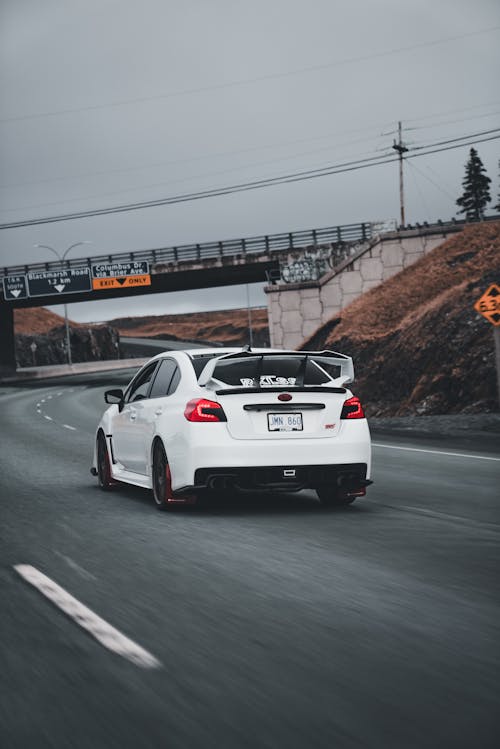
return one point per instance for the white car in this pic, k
(206, 420)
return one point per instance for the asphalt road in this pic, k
(275, 623)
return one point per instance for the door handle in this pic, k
(158, 411)
(133, 416)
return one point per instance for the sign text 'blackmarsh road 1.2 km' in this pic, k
(66, 280)
(120, 275)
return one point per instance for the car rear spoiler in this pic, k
(345, 363)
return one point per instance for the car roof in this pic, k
(220, 351)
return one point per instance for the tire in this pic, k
(329, 497)
(103, 464)
(163, 495)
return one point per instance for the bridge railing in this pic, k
(344, 234)
(267, 243)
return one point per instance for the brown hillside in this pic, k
(39, 320)
(45, 329)
(418, 344)
(222, 326)
(36, 321)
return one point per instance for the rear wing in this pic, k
(328, 358)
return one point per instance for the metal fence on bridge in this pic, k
(313, 239)
(267, 243)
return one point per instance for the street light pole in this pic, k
(61, 259)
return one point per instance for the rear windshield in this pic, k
(274, 370)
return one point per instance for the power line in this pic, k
(267, 146)
(429, 179)
(420, 193)
(449, 189)
(338, 144)
(248, 81)
(455, 140)
(453, 122)
(163, 184)
(452, 111)
(256, 184)
(269, 180)
(263, 163)
(401, 149)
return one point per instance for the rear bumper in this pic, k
(348, 477)
(207, 451)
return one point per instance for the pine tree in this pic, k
(476, 193)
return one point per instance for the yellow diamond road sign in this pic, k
(489, 304)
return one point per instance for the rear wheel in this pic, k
(164, 497)
(332, 497)
(103, 464)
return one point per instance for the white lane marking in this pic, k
(74, 566)
(38, 405)
(70, 530)
(49, 397)
(111, 638)
(434, 452)
(43, 400)
(49, 418)
(67, 426)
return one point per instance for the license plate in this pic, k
(285, 422)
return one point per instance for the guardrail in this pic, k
(345, 233)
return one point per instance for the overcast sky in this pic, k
(109, 102)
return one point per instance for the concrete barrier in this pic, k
(59, 370)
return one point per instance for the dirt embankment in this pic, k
(40, 337)
(36, 321)
(229, 327)
(418, 345)
(46, 330)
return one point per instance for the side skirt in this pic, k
(129, 477)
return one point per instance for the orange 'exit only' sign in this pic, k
(122, 282)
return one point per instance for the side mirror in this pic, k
(114, 396)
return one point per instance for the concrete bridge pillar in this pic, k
(7, 343)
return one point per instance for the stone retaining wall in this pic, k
(297, 310)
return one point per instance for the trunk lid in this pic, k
(280, 395)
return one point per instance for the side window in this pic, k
(174, 381)
(140, 386)
(163, 378)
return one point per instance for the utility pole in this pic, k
(401, 149)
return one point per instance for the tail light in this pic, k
(200, 409)
(352, 409)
